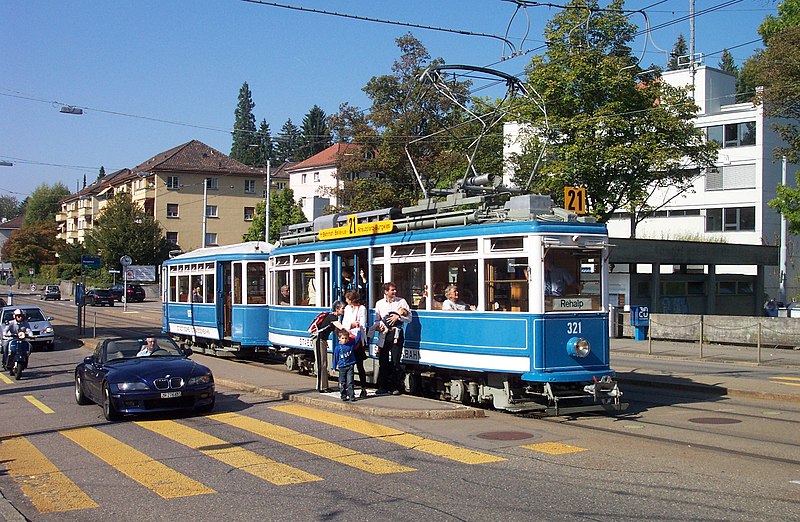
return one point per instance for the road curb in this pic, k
(360, 406)
(651, 381)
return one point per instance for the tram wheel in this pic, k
(291, 362)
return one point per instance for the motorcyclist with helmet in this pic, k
(12, 330)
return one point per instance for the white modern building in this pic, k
(727, 205)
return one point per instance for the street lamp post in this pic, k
(266, 205)
(205, 210)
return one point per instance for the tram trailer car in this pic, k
(522, 348)
(215, 299)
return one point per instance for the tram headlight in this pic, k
(578, 347)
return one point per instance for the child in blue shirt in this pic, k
(344, 359)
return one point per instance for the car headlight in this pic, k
(49, 329)
(578, 347)
(132, 386)
(200, 379)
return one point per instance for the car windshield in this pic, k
(31, 314)
(129, 348)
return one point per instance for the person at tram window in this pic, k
(453, 302)
(558, 281)
(435, 301)
(390, 371)
(197, 295)
(284, 297)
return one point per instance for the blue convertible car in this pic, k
(162, 378)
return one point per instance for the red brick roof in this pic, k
(14, 223)
(195, 156)
(327, 158)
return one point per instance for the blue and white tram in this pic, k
(215, 299)
(520, 349)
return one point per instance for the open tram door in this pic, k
(225, 298)
(351, 271)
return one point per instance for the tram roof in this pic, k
(215, 252)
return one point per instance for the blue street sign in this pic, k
(90, 261)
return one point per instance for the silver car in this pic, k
(43, 334)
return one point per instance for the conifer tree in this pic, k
(677, 58)
(316, 134)
(727, 64)
(244, 129)
(288, 143)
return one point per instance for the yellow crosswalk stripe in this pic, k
(49, 490)
(553, 448)
(407, 440)
(162, 480)
(231, 454)
(5, 379)
(313, 445)
(39, 404)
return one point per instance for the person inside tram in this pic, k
(197, 295)
(284, 297)
(558, 280)
(453, 302)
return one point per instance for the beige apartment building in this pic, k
(170, 187)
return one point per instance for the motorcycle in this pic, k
(17, 355)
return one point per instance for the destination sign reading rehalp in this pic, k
(355, 229)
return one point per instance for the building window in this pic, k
(172, 237)
(212, 183)
(304, 178)
(280, 185)
(211, 211)
(173, 183)
(316, 177)
(733, 134)
(211, 239)
(172, 210)
(730, 219)
(249, 186)
(731, 177)
(248, 213)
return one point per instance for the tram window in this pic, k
(281, 279)
(377, 253)
(304, 259)
(237, 283)
(408, 250)
(301, 280)
(463, 274)
(256, 283)
(378, 281)
(507, 284)
(504, 244)
(196, 281)
(209, 288)
(183, 289)
(566, 286)
(282, 261)
(410, 281)
(173, 286)
(454, 247)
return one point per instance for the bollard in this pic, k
(10, 298)
(701, 336)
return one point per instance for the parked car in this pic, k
(135, 292)
(43, 334)
(98, 297)
(123, 383)
(51, 292)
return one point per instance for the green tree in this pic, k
(44, 203)
(727, 64)
(778, 70)
(244, 129)
(403, 109)
(787, 202)
(747, 80)
(265, 145)
(288, 143)
(615, 132)
(125, 229)
(283, 211)
(102, 173)
(788, 17)
(678, 56)
(316, 135)
(32, 246)
(350, 125)
(9, 207)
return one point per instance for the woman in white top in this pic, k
(355, 320)
(453, 302)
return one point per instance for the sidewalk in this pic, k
(736, 377)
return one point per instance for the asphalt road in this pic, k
(674, 456)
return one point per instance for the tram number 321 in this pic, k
(573, 327)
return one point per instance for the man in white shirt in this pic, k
(390, 339)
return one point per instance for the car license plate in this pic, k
(170, 395)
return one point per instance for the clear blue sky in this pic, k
(134, 66)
